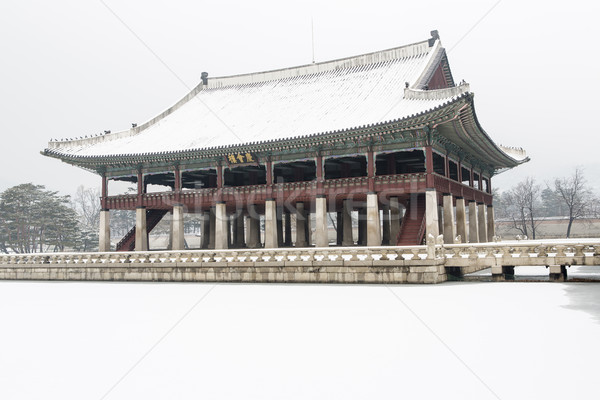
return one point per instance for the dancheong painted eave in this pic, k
(299, 106)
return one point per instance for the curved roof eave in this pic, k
(414, 121)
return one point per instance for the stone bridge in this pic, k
(431, 263)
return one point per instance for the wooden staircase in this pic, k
(412, 229)
(153, 217)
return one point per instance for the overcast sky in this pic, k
(75, 68)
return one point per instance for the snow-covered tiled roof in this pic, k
(300, 101)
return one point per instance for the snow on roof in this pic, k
(300, 101)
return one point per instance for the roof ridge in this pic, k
(394, 53)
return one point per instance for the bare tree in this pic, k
(522, 207)
(87, 204)
(576, 196)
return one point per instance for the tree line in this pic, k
(528, 203)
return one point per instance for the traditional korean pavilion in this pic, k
(388, 138)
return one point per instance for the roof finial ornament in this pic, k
(406, 85)
(434, 36)
(204, 77)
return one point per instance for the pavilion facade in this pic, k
(271, 159)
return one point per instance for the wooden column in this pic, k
(140, 187)
(269, 177)
(104, 192)
(177, 184)
(371, 170)
(429, 166)
(320, 174)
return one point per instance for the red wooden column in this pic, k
(429, 166)
(371, 170)
(177, 188)
(471, 178)
(459, 166)
(219, 182)
(269, 171)
(447, 167)
(480, 181)
(140, 187)
(104, 192)
(319, 162)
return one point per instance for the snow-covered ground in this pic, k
(457, 340)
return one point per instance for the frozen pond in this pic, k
(457, 340)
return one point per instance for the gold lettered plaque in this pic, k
(241, 158)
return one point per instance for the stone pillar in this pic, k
(271, 224)
(141, 232)
(229, 233)
(362, 226)
(385, 238)
(440, 219)
(321, 236)
(347, 239)
(205, 230)
(339, 232)
(373, 226)
(239, 230)
(211, 225)
(394, 220)
(301, 239)
(558, 273)
(449, 227)
(491, 224)
(431, 214)
(473, 224)
(177, 233)
(104, 244)
(221, 225)
(287, 242)
(482, 223)
(461, 219)
(279, 211)
(252, 232)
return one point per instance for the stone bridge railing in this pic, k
(389, 264)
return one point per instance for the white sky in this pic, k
(71, 68)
